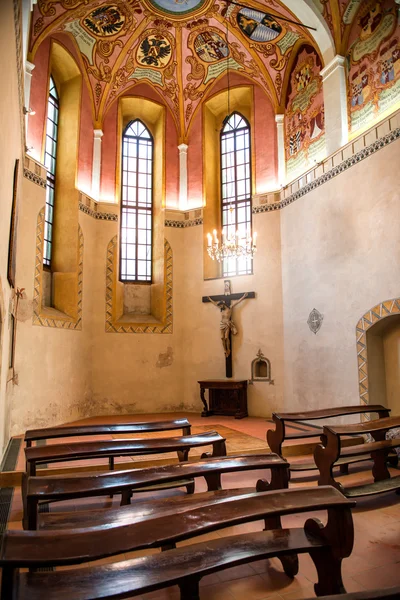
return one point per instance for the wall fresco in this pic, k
(304, 116)
(373, 63)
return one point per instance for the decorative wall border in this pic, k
(97, 215)
(343, 166)
(35, 178)
(183, 224)
(39, 317)
(380, 311)
(114, 326)
(20, 66)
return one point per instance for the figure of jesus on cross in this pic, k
(226, 304)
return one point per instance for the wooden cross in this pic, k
(224, 303)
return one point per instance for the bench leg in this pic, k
(344, 469)
(290, 562)
(329, 569)
(190, 488)
(190, 589)
(8, 583)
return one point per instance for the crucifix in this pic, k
(226, 303)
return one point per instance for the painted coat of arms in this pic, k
(154, 51)
(210, 47)
(105, 20)
(258, 26)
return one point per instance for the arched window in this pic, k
(136, 204)
(236, 188)
(50, 155)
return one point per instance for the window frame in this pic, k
(235, 203)
(136, 207)
(50, 177)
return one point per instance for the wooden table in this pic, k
(225, 397)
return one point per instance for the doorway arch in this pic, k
(368, 320)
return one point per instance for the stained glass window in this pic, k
(136, 203)
(50, 155)
(236, 188)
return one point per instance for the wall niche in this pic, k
(261, 369)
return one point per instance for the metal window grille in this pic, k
(136, 204)
(236, 188)
(50, 162)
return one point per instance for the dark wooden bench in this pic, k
(276, 437)
(185, 566)
(330, 451)
(51, 488)
(112, 448)
(35, 435)
(392, 593)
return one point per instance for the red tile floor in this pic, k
(374, 563)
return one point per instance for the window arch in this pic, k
(236, 188)
(136, 204)
(50, 156)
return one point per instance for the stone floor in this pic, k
(374, 563)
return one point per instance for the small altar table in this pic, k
(225, 397)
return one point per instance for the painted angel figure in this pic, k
(226, 325)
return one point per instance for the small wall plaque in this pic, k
(315, 320)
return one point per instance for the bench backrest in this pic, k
(366, 427)
(112, 448)
(104, 428)
(327, 413)
(47, 548)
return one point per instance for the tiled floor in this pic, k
(374, 563)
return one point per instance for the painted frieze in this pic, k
(373, 63)
(304, 115)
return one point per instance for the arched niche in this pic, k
(378, 353)
(261, 368)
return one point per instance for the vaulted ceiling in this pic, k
(183, 47)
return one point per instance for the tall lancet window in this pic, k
(136, 203)
(50, 156)
(236, 188)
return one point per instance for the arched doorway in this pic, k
(378, 352)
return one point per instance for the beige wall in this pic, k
(340, 254)
(10, 150)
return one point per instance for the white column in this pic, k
(183, 177)
(335, 101)
(27, 91)
(280, 131)
(96, 168)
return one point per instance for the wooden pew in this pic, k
(330, 451)
(37, 489)
(48, 433)
(276, 437)
(327, 547)
(112, 448)
(392, 593)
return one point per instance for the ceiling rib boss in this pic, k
(181, 48)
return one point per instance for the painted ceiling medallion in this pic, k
(258, 26)
(315, 320)
(210, 47)
(105, 20)
(177, 7)
(154, 51)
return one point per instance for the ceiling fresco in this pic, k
(179, 47)
(182, 47)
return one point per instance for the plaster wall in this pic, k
(10, 150)
(340, 254)
(51, 363)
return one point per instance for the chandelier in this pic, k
(233, 243)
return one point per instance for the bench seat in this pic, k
(141, 575)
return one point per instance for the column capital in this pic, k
(279, 119)
(29, 67)
(98, 134)
(337, 62)
(183, 148)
